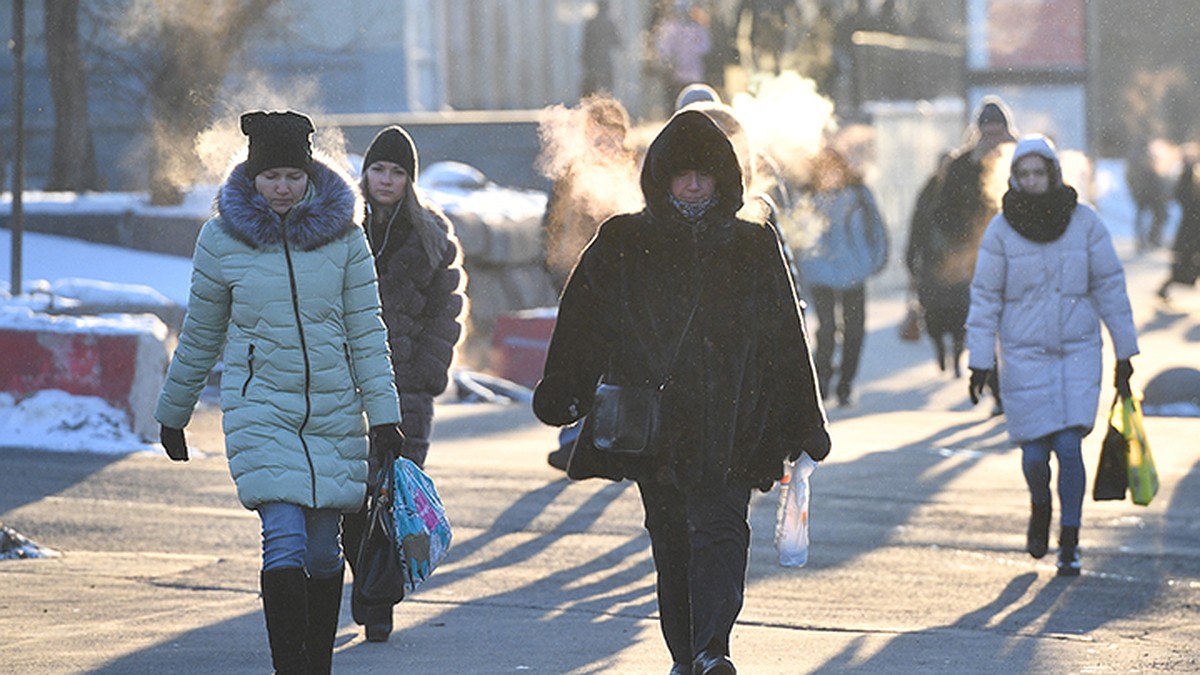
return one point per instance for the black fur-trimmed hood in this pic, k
(328, 209)
(691, 140)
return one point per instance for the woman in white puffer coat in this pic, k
(1046, 275)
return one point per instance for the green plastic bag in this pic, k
(1143, 476)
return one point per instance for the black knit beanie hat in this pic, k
(277, 139)
(393, 144)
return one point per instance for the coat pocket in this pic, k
(350, 367)
(249, 369)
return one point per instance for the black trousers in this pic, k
(852, 302)
(700, 543)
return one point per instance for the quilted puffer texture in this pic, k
(305, 352)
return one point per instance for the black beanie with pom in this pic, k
(277, 139)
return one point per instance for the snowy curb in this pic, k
(120, 359)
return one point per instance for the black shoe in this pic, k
(1069, 564)
(379, 624)
(681, 669)
(559, 458)
(843, 394)
(713, 664)
(1037, 538)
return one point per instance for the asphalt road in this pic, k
(917, 561)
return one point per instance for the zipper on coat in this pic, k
(312, 470)
(250, 365)
(350, 365)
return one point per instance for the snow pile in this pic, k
(15, 546)
(56, 420)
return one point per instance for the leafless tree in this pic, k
(184, 51)
(73, 164)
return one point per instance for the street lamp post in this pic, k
(16, 221)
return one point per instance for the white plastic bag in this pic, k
(791, 519)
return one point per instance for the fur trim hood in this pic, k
(328, 209)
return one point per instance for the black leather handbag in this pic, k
(1112, 473)
(382, 575)
(625, 418)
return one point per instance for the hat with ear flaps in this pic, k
(393, 144)
(277, 139)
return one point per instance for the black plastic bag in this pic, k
(382, 576)
(1112, 474)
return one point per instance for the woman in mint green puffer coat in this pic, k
(284, 281)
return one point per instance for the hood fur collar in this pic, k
(327, 210)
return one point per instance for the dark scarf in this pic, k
(1041, 218)
(693, 212)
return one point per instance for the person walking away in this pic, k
(418, 260)
(1185, 266)
(686, 295)
(283, 281)
(1046, 275)
(601, 38)
(852, 246)
(681, 42)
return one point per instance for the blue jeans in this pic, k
(1035, 460)
(295, 536)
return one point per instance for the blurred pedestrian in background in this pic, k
(283, 281)
(421, 287)
(1047, 275)
(1185, 266)
(948, 244)
(681, 42)
(601, 38)
(850, 247)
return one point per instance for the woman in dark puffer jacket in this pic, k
(421, 286)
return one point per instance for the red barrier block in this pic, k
(121, 362)
(519, 343)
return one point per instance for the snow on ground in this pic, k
(56, 420)
(58, 268)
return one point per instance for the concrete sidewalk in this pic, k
(917, 560)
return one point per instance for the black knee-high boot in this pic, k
(324, 607)
(1069, 563)
(285, 606)
(1037, 538)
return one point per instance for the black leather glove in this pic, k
(173, 442)
(387, 440)
(979, 378)
(1121, 380)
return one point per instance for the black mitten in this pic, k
(388, 440)
(174, 443)
(1121, 380)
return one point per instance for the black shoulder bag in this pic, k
(382, 582)
(624, 418)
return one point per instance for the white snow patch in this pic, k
(55, 420)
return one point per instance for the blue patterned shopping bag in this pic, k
(422, 530)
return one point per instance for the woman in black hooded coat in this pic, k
(741, 396)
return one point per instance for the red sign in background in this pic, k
(1036, 34)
